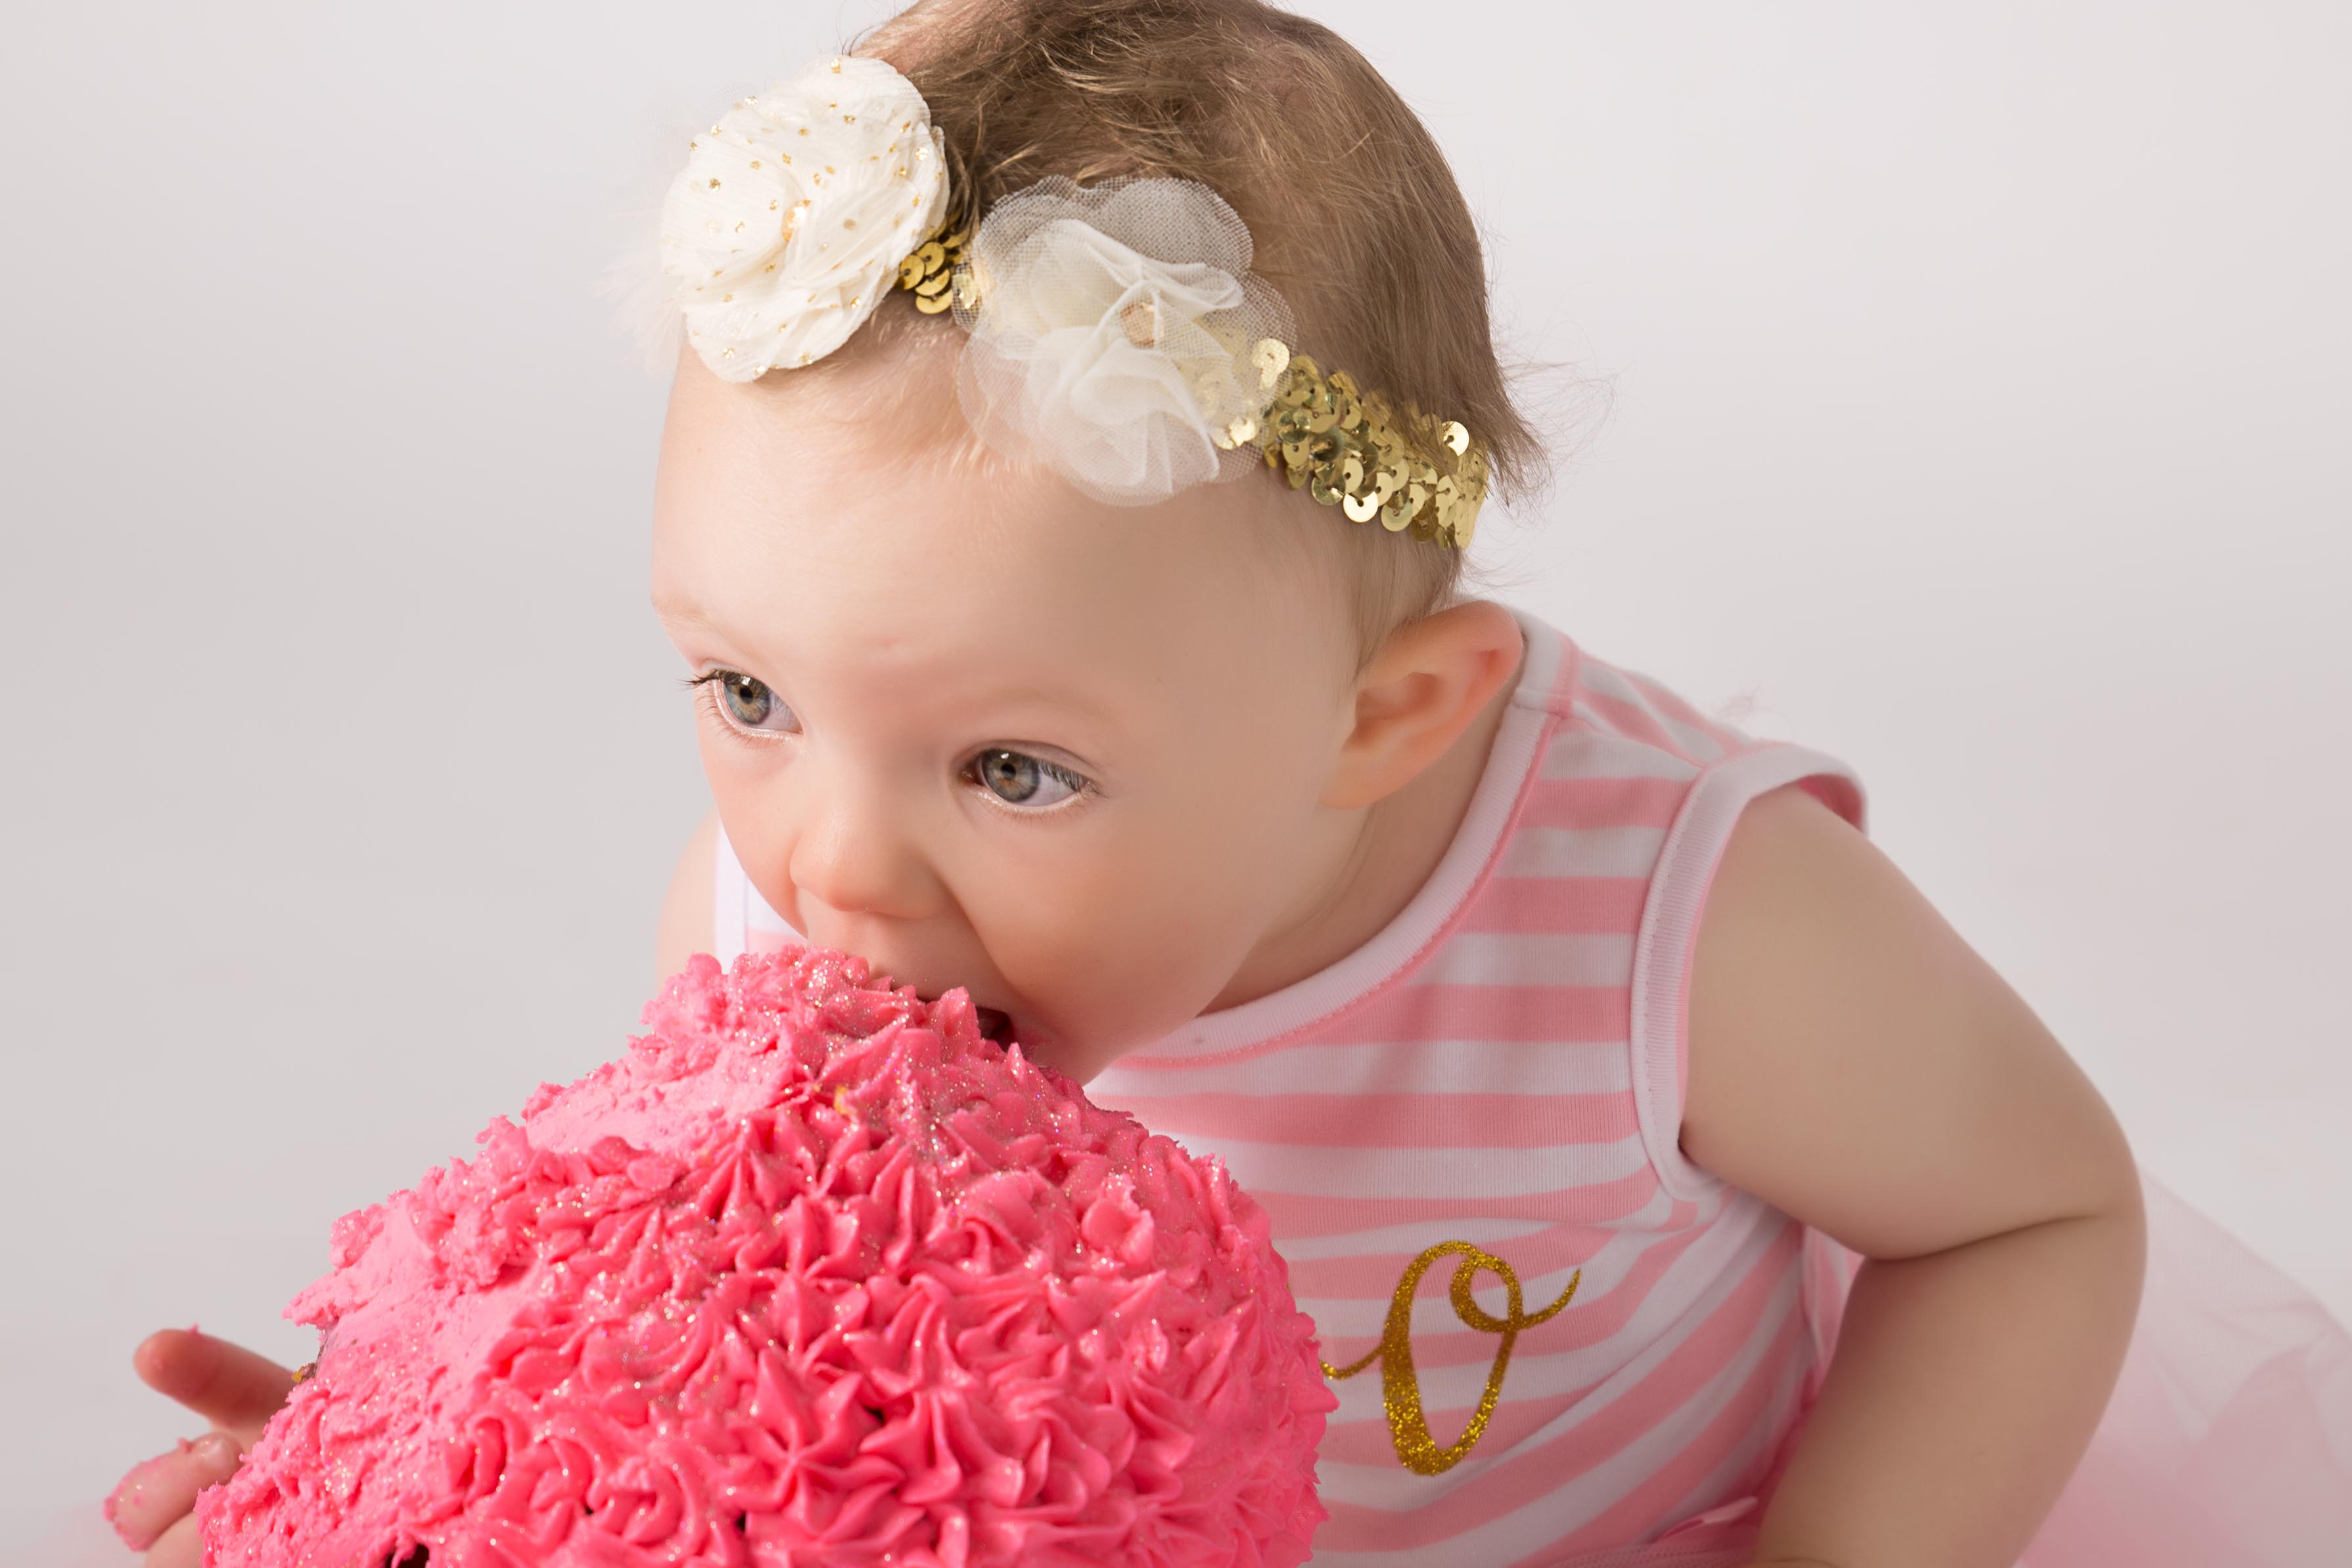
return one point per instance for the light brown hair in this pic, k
(1355, 216)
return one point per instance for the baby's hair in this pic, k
(1355, 216)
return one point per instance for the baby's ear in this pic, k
(1427, 685)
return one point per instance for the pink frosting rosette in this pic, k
(815, 1275)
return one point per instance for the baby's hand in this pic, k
(229, 1386)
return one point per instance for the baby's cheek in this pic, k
(1113, 962)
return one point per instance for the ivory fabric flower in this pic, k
(782, 233)
(1097, 353)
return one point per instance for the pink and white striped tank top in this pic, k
(1553, 1337)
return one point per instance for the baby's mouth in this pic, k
(996, 1024)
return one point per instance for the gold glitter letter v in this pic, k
(1401, 1387)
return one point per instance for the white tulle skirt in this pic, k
(2229, 1438)
(2227, 1443)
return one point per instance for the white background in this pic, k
(1980, 414)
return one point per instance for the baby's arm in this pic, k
(1853, 1062)
(686, 908)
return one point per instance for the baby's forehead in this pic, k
(853, 504)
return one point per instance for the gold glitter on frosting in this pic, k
(1416, 1447)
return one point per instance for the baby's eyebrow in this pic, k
(679, 613)
(1031, 698)
(671, 609)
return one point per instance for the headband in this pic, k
(1116, 333)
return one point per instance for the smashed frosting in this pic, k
(815, 1275)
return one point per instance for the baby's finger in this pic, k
(158, 1494)
(224, 1383)
(182, 1546)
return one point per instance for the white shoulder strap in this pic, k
(1669, 933)
(740, 919)
(729, 890)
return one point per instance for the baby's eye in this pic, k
(749, 703)
(1019, 779)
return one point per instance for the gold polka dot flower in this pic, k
(785, 229)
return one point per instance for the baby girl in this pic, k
(1086, 407)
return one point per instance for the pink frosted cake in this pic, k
(815, 1275)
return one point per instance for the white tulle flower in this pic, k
(786, 227)
(1113, 329)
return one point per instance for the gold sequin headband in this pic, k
(1351, 450)
(1344, 447)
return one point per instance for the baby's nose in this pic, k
(854, 861)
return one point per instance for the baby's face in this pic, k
(984, 731)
